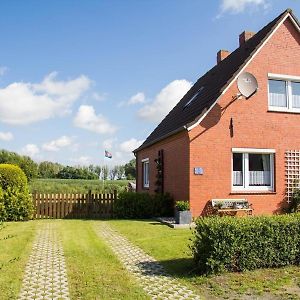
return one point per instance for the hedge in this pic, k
(239, 244)
(131, 205)
(12, 176)
(15, 199)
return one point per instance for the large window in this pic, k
(252, 169)
(284, 94)
(145, 167)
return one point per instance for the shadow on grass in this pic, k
(180, 267)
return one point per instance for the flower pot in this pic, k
(183, 217)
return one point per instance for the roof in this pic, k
(212, 84)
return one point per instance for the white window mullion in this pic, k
(289, 95)
(246, 170)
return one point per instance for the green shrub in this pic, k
(295, 202)
(239, 244)
(182, 205)
(18, 205)
(15, 199)
(12, 176)
(130, 205)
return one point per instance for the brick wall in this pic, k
(176, 166)
(253, 126)
(210, 144)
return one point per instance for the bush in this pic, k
(130, 205)
(15, 199)
(12, 176)
(182, 205)
(239, 244)
(295, 202)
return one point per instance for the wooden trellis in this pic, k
(292, 172)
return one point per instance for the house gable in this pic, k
(213, 85)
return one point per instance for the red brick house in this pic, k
(216, 144)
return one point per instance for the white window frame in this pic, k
(246, 187)
(288, 79)
(145, 184)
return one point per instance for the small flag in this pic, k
(107, 154)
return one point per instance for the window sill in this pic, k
(279, 110)
(253, 193)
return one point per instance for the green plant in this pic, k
(239, 244)
(12, 176)
(295, 202)
(15, 199)
(131, 205)
(182, 205)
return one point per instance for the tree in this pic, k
(130, 170)
(29, 167)
(48, 169)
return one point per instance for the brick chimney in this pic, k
(245, 36)
(222, 54)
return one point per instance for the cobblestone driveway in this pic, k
(45, 275)
(149, 273)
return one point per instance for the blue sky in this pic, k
(78, 77)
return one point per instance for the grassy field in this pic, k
(93, 271)
(15, 246)
(171, 248)
(68, 186)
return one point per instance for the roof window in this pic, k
(193, 98)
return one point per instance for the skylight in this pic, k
(193, 98)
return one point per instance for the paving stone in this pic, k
(149, 273)
(45, 274)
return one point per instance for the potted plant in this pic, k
(183, 214)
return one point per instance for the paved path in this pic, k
(149, 272)
(45, 275)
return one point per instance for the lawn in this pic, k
(15, 246)
(68, 186)
(93, 271)
(171, 248)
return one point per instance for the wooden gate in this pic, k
(75, 206)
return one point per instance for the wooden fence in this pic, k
(74, 206)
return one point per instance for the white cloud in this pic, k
(31, 150)
(165, 100)
(238, 6)
(99, 97)
(6, 136)
(3, 70)
(82, 160)
(57, 144)
(138, 98)
(130, 145)
(25, 103)
(86, 118)
(108, 144)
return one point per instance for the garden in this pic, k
(222, 258)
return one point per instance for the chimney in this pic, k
(245, 36)
(222, 54)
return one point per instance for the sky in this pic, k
(78, 77)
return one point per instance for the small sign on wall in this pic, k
(198, 171)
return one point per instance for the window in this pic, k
(193, 98)
(145, 167)
(252, 169)
(284, 94)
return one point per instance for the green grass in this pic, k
(171, 248)
(93, 270)
(68, 186)
(15, 246)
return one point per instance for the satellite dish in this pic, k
(247, 84)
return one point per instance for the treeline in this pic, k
(47, 169)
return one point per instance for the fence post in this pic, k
(113, 202)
